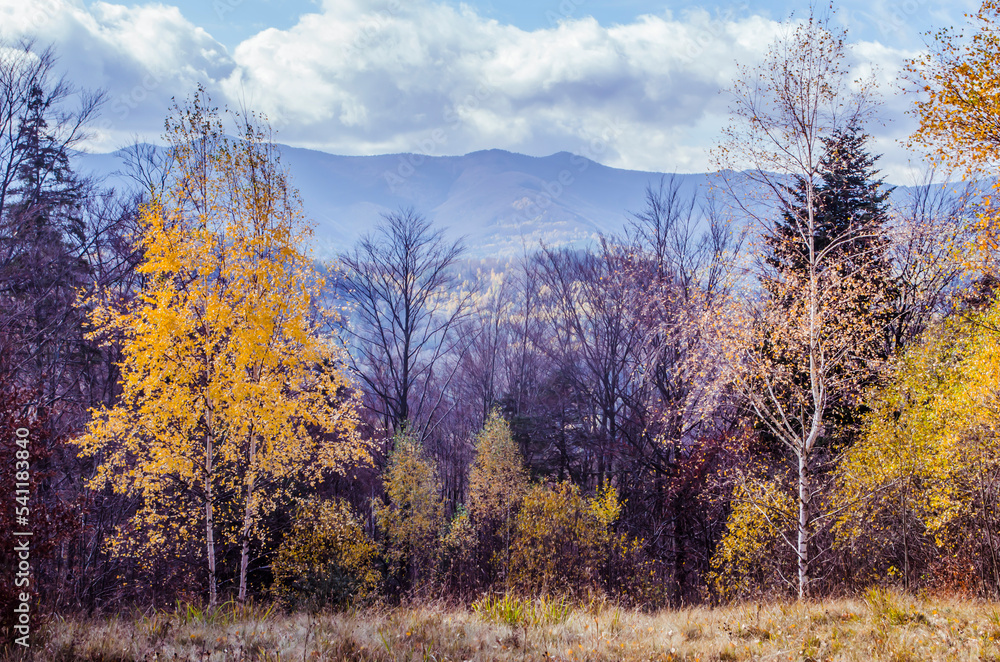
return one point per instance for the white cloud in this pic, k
(419, 76)
(353, 81)
(141, 56)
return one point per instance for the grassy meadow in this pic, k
(880, 626)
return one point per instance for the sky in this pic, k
(638, 84)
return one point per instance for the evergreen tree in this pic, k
(44, 237)
(850, 213)
(45, 216)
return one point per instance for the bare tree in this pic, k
(594, 338)
(407, 302)
(43, 234)
(931, 224)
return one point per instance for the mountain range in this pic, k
(499, 203)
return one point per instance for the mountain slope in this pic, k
(498, 201)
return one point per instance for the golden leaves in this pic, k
(226, 381)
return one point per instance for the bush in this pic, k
(497, 484)
(561, 539)
(753, 558)
(327, 558)
(414, 516)
(516, 611)
(458, 554)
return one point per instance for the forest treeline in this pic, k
(799, 402)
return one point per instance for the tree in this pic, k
(406, 301)
(679, 279)
(784, 109)
(26, 477)
(413, 514)
(594, 342)
(561, 537)
(960, 78)
(230, 395)
(931, 226)
(326, 558)
(850, 220)
(497, 483)
(921, 487)
(43, 224)
(958, 112)
(849, 201)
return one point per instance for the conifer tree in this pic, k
(43, 238)
(850, 214)
(850, 200)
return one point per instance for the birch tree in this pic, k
(783, 109)
(230, 397)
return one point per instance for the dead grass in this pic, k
(879, 626)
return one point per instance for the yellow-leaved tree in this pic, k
(412, 516)
(230, 396)
(498, 482)
(959, 111)
(922, 487)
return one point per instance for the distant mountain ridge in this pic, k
(500, 202)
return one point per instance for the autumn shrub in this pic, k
(498, 482)
(753, 558)
(561, 539)
(919, 488)
(326, 558)
(458, 561)
(412, 519)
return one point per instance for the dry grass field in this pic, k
(879, 626)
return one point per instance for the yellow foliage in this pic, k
(498, 480)
(754, 555)
(497, 484)
(229, 392)
(930, 456)
(961, 79)
(414, 515)
(561, 539)
(326, 558)
(458, 548)
(960, 76)
(606, 506)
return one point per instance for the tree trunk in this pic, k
(210, 519)
(802, 546)
(247, 521)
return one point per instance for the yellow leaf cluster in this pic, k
(414, 515)
(561, 538)
(753, 556)
(929, 455)
(326, 558)
(230, 394)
